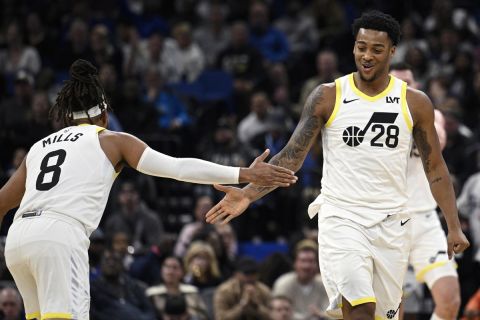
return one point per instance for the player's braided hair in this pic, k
(379, 21)
(81, 92)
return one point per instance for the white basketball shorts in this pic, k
(428, 255)
(47, 256)
(364, 264)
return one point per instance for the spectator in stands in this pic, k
(271, 42)
(76, 47)
(17, 55)
(331, 21)
(304, 285)
(95, 253)
(223, 147)
(327, 71)
(108, 77)
(103, 50)
(202, 205)
(411, 30)
(41, 38)
(11, 305)
(172, 113)
(255, 123)
(176, 309)
(122, 244)
(201, 266)
(117, 296)
(281, 308)
(209, 235)
(417, 58)
(244, 62)
(229, 240)
(135, 51)
(299, 27)
(172, 273)
(14, 115)
(39, 125)
(240, 58)
(134, 218)
(459, 140)
(183, 56)
(469, 207)
(14, 111)
(18, 156)
(243, 296)
(136, 115)
(443, 13)
(213, 36)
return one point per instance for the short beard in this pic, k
(367, 80)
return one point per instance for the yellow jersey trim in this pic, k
(379, 318)
(34, 315)
(357, 302)
(406, 114)
(57, 315)
(338, 97)
(97, 129)
(367, 97)
(421, 274)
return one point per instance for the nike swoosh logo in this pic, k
(348, 101)
(403, 222)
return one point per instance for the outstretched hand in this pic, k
(267, 175)
(231, 206)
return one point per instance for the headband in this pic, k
(92, 112)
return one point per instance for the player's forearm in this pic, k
(285, 158)
(442, 190)
(186, 169)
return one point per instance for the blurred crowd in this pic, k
(222, 81)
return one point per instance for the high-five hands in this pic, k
(232, 205)
(267, 175)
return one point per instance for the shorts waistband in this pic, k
(54, 215)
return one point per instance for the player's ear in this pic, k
(392, 51)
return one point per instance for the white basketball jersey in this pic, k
(420, 198)
(366, 144)
(68, 173)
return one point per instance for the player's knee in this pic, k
(448, 304)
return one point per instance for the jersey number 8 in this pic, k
(54, 169)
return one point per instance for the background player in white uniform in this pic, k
(62, 187)
(363, 225)
(428, 253)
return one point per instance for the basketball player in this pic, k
(62, 187)
(428, 254)
(367, 120)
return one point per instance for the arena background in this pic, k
(188, 76)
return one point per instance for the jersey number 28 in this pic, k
(53, 168)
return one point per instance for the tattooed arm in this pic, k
(302, 139)
(317, 109)
(428, 145)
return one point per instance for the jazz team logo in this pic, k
(380, 123)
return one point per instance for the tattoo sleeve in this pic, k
(423, 147)
(294, 153)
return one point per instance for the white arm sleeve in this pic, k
(186, 169)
